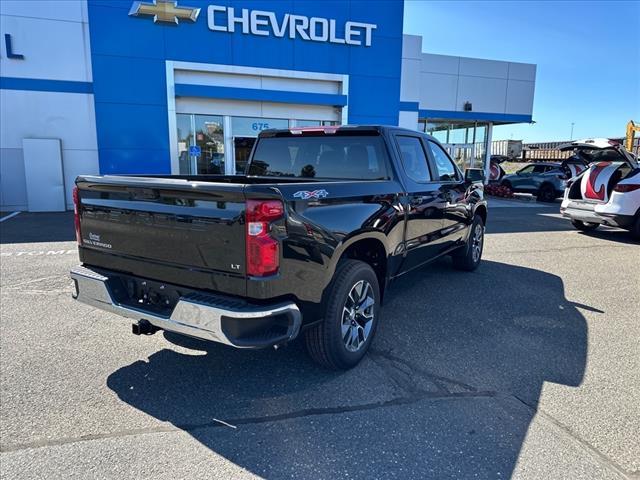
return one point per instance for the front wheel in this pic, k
(468, 257)
(584, 226)
(351, 317)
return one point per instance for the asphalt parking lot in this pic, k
(526, 368)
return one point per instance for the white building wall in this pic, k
(411, 61)
(410, 79)
(444, 82)
(408, 120)
(53, 36)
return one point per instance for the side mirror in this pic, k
(473, 175)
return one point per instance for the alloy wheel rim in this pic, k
(476, 244)
(357, 316)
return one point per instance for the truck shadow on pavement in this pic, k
(448, 390)
(545, 219)
(520, 220)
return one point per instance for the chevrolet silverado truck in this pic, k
(305, 243)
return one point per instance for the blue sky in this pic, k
(587, 52)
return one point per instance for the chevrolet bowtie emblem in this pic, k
(164, 11)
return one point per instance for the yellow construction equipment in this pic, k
(632, 128)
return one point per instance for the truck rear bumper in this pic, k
(196, 314)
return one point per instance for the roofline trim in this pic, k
(488, 116)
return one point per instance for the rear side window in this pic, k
(414, 159)
(604, 155)
(447, 171)
(357, 157)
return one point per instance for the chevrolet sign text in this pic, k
(315, 29)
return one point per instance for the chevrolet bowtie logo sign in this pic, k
(164, 11)
(260, 23)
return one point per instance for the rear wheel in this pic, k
(635, 229)
(546, 193)
(351, 317)
(584, 226)
(468, 257)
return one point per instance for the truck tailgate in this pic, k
(165, 229)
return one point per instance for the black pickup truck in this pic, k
(306, 242)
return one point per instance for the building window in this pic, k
(439, 131)
(202, 140)
(200, 144)
(244, 131)
(314, 123)
(466, 142)
(480, 144)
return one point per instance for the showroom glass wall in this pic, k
(466, 142)
(201, 140)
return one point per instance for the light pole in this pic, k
(572, 124)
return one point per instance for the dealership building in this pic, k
(159, 87)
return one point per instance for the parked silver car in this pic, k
(546, 181)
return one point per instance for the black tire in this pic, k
(325, 342)
(546, 193)
(584, 226)
(468, 258)
(635, 229)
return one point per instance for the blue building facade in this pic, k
(129, 55)
(185, 86)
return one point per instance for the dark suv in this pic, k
(546, 181)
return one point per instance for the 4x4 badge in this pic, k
(307, 194)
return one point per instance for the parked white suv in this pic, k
(608, 192)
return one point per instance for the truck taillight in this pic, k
(626, 187)
(263, 251)
(76, 214)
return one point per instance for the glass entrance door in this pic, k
(200, 144)
(209, 141)
(186, 163)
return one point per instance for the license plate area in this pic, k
(586, 206)
(142, 294)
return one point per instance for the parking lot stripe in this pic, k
(7, 217)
